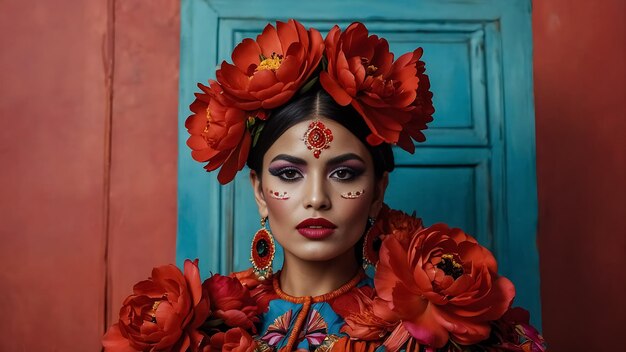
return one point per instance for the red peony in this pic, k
(392, 96)
(371, 320)
(269, 71)
(231, 303)
(423, 108)
(352, 301)
(391, 222)
(442, 284)
(162, 314)
(235, 340)
(218, 133)
(397, 223)
(261, 291)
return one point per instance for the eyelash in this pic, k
(352, 173)
(280, 173)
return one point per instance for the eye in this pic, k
(344, 174)
(288, 174)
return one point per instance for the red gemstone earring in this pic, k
(262, 252)
(371, 244)
(317, 137)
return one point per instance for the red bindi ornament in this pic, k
(317, 137)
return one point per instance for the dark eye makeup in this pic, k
(345, 173)
(286, 173)
(343, 168)
(292, 174)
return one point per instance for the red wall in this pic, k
(580, 112)
(88, 96)
(88, 107)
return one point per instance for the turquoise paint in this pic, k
(477, 169)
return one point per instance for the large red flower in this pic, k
(231, 303)
(269, 71)
(442, 284)
(218, 132)
(162, 314)
(392, 96)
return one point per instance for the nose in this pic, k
(316, 192)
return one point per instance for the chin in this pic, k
(320, 252)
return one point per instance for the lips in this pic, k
(316, 228)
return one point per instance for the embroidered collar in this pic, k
(321, 298)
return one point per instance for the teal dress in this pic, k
(305, 323)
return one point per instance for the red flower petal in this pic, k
(269, 41)
(339, 95)
(246, 54)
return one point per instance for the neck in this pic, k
(300, 278)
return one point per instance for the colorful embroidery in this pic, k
(278, 329)
(314, 331)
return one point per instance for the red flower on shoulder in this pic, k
(218, 133)
(352, 301)
(235, 340)
(231, 303)
(346, 344)
(392, 96)
(162, 314)
(442, 284)
(261, 291)
(390, 222)
(371, 321)
(269, 71)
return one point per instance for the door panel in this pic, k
(476, 170)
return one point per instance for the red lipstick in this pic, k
(316, 228)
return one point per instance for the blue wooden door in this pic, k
(476, 170)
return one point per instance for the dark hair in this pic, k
(317, 102)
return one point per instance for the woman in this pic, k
(315, 120)
(321, 210)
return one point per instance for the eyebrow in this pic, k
(334, 161)
(345, 157)
(290, 158)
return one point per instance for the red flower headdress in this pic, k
(355, 68)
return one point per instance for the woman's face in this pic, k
(318, 207)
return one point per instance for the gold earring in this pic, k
(262, 252)
(371, 244)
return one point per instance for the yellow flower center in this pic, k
(371, 69)
(209, 120)
(155, 305)
(271, 63)
(450, 266)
